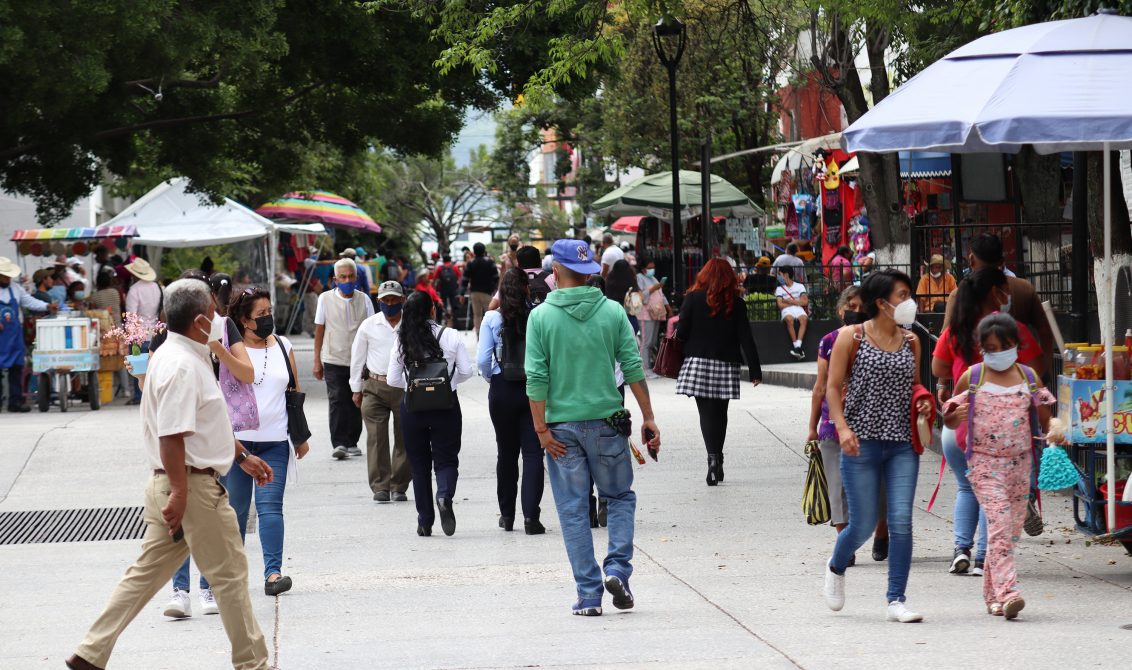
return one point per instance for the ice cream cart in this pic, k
(66, 345)
(1081, 403)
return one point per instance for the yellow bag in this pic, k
(815, 497)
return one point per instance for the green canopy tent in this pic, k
(651, 195)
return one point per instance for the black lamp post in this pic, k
(669, 36)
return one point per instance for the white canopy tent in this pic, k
(169, 216)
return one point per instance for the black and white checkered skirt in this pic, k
(708, 378)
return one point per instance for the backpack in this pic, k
(512, 359)
(428, 384)
(449, 283)
(539, 289)
(976, 381)
(634, 303)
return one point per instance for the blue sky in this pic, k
(479, 128)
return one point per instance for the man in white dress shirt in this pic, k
(188, 444)
(388, 479)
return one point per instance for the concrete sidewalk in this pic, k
(728, 577)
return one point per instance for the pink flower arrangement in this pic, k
(135, 331)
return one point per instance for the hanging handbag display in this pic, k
(297, 428)
(815, 495)
(669, 357)
(428, 384)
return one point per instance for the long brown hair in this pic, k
(717, 279)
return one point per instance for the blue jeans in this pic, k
(268, 507)
(593, 450)
(969, 517)
(897, 465)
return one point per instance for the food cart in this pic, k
(65, 345)
(1081, 404)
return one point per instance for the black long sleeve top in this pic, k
(718, 337)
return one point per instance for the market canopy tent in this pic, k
(323, 207)
(1059, 86)
(651, 195)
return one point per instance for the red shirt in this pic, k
(945, 350)
(425, 288)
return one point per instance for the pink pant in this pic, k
(1002, 485)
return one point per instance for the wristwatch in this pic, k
(243, 456)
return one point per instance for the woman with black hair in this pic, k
(981, 293)
(874, 375)
(500, 360)
(432, 437)
(620, 282)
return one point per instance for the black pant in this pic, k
(16, 386)
(713, 422)
(432, 442)
(514, 435)
(345, 417)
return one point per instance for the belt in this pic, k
(380, 378)
(191, 470)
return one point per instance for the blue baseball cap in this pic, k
(575, 255)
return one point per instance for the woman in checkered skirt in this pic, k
(714, 328)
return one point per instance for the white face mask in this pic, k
(1000, 361)
(215, 330)
(904, 313)
(936, 275)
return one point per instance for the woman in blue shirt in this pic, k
(500, 360)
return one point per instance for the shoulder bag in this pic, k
(297, 428)
(243, 411)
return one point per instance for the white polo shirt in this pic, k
(181, 395)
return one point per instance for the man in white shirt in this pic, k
(143, 299)
(610, 254)
(340, 313)
(790, 259)
(188, 443)
(793, 301)
(388, 479)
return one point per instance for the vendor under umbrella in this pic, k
(13, 297)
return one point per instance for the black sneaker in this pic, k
(960, 561)
(603, 513)
(618, 587)
(880, 548)
(381, 496)
(398, 496)
(977, 570)
(800, 353)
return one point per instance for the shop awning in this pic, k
(651, 195)
(627, 224)
(73, 234)
(924, 164)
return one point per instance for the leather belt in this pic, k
(381, 378)
(196, 471)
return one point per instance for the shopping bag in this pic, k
(815, 497)
(669, 358)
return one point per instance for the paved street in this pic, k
(726, 578)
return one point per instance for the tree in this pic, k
(439, 196)
(231, 94)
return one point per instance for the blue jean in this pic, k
(268, 507)
(968, 516)
(594, 450)
(897, 465)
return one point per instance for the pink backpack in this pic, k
(242, 409)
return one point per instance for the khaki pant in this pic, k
(211, 534)
(480, 301)
(379, 400)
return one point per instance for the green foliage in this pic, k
(232, 94)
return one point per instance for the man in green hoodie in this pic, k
(574, 330)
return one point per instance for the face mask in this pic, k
(347, 288)
(391, 310)
(936, 275)
(854, 318)
(80, 295)
(650, 272)
(215, 330)
(514, 247)
(904, 314)
(1000, 361)
(264, 326)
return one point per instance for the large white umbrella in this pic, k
(1059, 86)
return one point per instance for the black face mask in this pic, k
(514, 247)
(855, 318)
(264, 326)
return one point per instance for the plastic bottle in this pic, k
(1128, 339)
(1069, 358)
(1120, 363)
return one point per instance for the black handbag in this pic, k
(297, 428)
(428, 384)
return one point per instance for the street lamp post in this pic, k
(669, 37)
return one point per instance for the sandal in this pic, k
(1012, 607)
(994, 609)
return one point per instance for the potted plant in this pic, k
(135, 332)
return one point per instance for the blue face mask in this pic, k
(651, 272)
(347, 287)
(391, 310)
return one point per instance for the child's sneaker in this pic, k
(587, 607)
(618, 587)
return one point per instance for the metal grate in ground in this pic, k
(71, 525)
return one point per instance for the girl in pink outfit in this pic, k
(1005, 405)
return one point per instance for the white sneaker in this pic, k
(208, 602)
(897, 611)
(834, 590)
(179, 606)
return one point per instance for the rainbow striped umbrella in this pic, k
(323, 207)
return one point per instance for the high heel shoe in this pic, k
(712, 469)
